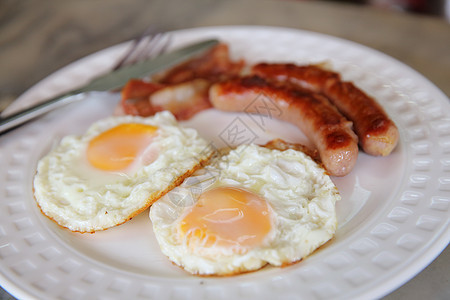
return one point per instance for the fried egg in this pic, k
(117, 169)
(254, 206)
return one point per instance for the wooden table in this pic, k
(39, 37)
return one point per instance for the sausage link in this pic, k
(330, 132)
(377, 133)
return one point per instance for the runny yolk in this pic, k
(116, 148)
(226, 217)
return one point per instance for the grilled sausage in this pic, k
(330, 132)
(377, 133)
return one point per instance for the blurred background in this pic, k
(433, 7)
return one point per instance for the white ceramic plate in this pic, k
(393, 216)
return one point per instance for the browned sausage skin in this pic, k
(377, 133)
(330, 132)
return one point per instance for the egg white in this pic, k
(82, 198)
(300, 194)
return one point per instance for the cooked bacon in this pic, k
(183, 100)
(330, 132)
(183, 90)
(214, 65)
(377, 133)
(135, 97)
(180, 91)
(279, 144)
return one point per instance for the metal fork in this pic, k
(150, 44)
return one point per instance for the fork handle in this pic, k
(38, 110)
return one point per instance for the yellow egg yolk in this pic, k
(116, 148)
(226, 217)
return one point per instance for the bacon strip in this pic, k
(183, 100)
(183, 90)
(279, 144)
(214, 65)
(135, 97)
(377, 133)
(330, 132)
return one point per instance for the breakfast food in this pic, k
(116, 170)
(183, 90)
(215, 65)
(377, 133)
(251, 207)
(183, 100)
(311, 112)
(336, 115)
(239, 211)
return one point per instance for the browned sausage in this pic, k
(377, 133)
(330, 132)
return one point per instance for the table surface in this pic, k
(39, 37)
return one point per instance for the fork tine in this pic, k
(144, 46)
(163, 45)
(149, 47)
